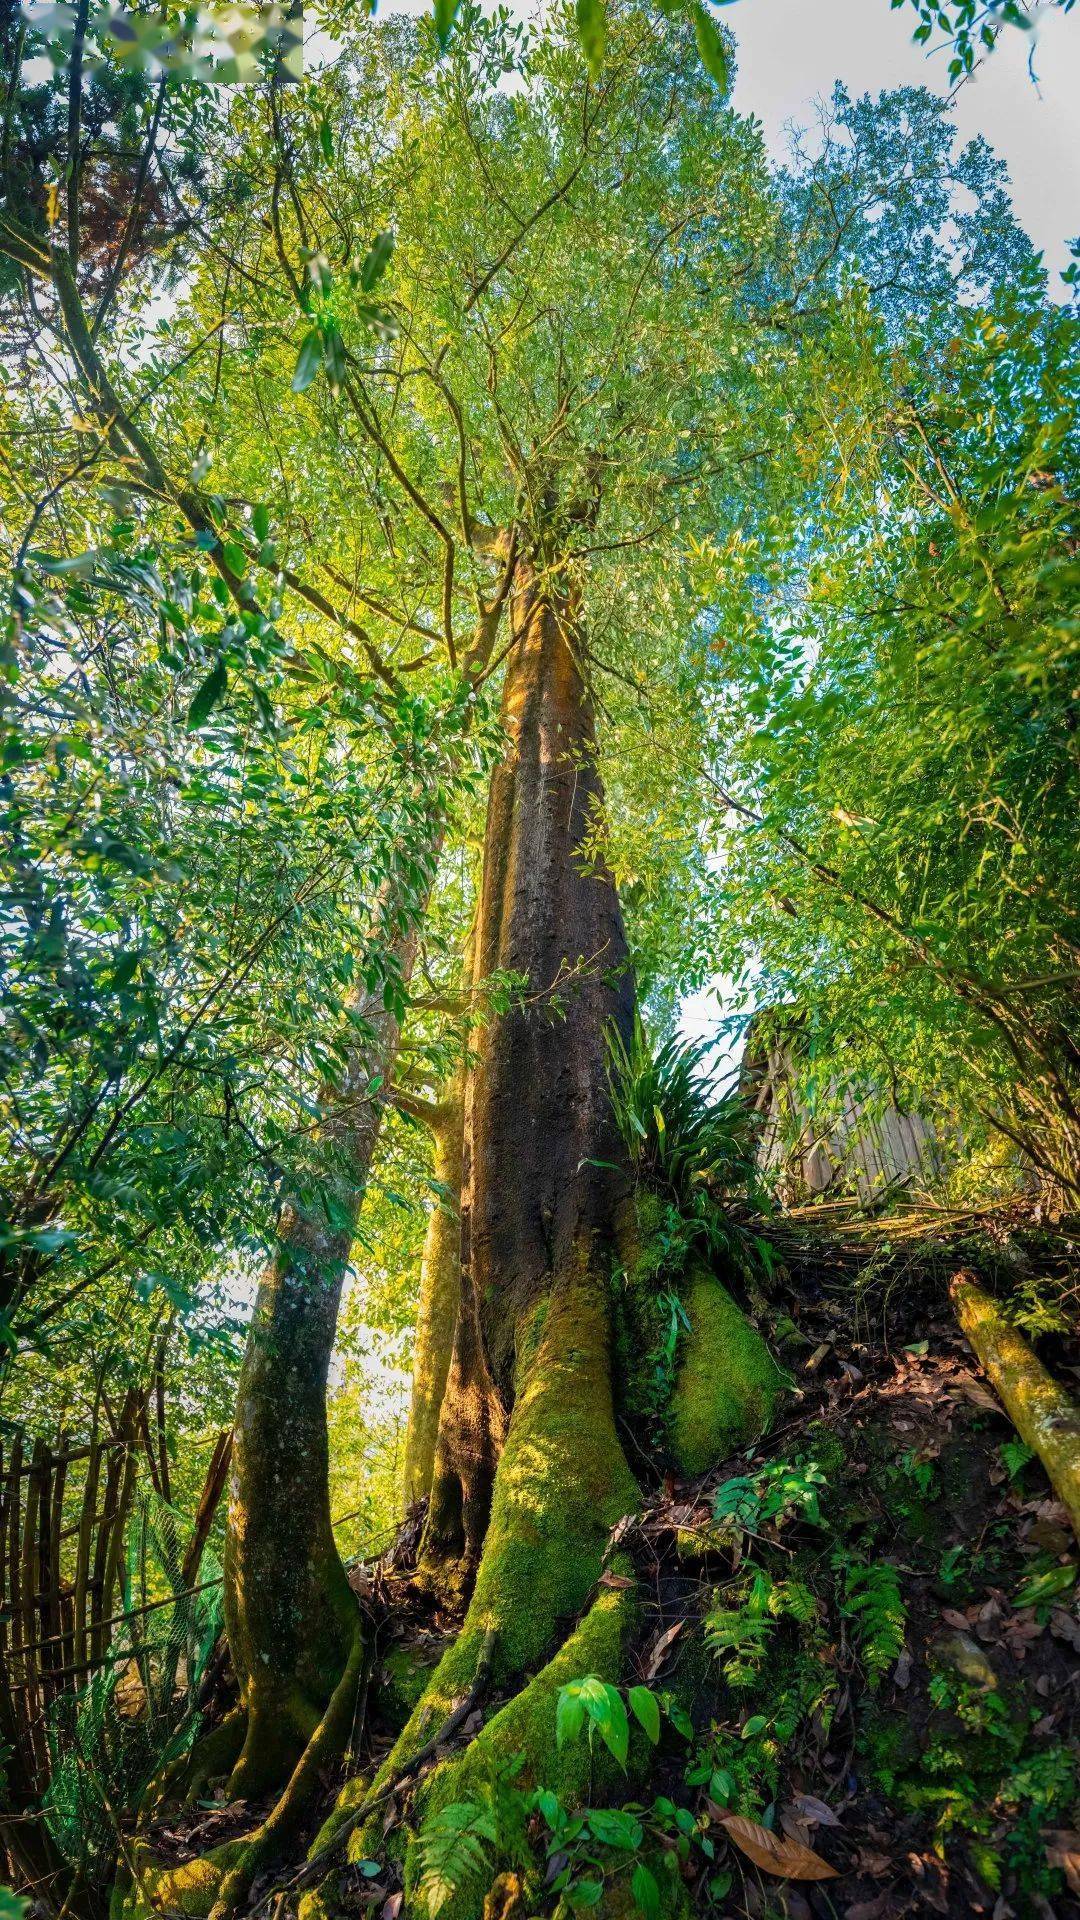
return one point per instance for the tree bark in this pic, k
(289, 1613)
(1044, 1415)
(440, 1292)
(542, 1178)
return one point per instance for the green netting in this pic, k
(108, 1738)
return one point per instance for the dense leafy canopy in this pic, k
(300, 379)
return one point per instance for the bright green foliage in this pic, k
(778, 1494)
(685, 1140)
(909, 883)
(872, 1601)
(739, 1626)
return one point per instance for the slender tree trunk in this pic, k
(289, 1613)
(440, 1293)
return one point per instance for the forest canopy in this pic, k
(493, 552)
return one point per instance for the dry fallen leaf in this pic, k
(656, 1657)
(1063, 1850)
(786, 1858)
(974, 1391)
(813, 1809)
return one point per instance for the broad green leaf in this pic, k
(208, 695)
(645, 1891)
(710, 46)
(446, 12)
(376, 260)
(613, 1827)
(569, 1714)
(591, 16)
(334, 358)
(308, 361)
(646, 1707)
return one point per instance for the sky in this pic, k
(792, 51)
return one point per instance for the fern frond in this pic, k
(455, 1848)
(872, 1601)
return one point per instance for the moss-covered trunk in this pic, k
(290, 1616)
(541, 1186)
(440, 1292)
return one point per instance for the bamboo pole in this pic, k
(28, 1565)
(87, 1517)
(1041, 1411)
(213, 1487)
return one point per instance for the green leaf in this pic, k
(326, 140)
(645, 1891)
(710, 46)
(445, 15)
(208, 695)
(376, 260)
(124, 970)
(613, 1827)
(260, 521)
(334, 356)
(585, 1894)
(613, 1727)
(646, 1708)
(12, 1905)
(308, 361)
(79, 564)
(756, 1724)
(569, 1714)
(1016, 1456)
(592, 32)
(1045, 1586)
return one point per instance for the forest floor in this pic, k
(918, 1729)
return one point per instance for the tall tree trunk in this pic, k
(530, 1476)
(540, 1187)
(290, 1616)
(440, 1292)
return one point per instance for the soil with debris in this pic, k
(946, 1783)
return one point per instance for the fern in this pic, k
(872, 1601)
(738, 1635)
(456, 1845)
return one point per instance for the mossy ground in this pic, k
(946, 1786)
(696, 1379)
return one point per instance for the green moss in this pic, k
(190, 1888)
(728, 1383)
(561, 1485)
(406, 1671)
(578, 1772)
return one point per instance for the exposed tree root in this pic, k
(218, 1882)
(728, 1386)
(1042, 1412)
(331, 1853)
